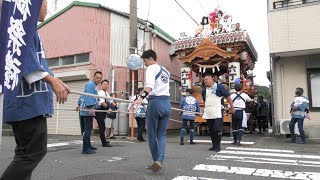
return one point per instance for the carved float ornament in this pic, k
(206, 50)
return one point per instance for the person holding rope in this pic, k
(212, 96)
(139, 113)
(188, 103)
(26, 108)
(86, 105)
(239, 118)
(101, 116)
(159, 107)
(111, 116)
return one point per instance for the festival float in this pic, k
(221, 47)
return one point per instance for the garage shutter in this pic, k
(67, 122)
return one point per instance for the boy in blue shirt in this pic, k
(188, 103)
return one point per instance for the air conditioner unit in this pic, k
(284, 127)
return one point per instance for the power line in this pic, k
(186, 12)
(202, 7)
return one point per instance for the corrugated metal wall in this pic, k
(119, 40)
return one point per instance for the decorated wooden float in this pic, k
(225, 52)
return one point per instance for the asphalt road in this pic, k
(261, 157)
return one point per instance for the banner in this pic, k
(234, 75)
(185, 79)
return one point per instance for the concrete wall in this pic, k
(294, 28)
(289, 73)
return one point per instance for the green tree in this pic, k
(262, 91)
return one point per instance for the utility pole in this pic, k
(133, 43)
(133, 50)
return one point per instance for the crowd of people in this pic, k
(30, 126)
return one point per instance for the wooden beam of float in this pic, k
(206, 50)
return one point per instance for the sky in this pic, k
(251, 14)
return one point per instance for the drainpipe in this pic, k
(112, 80)
(274, 129)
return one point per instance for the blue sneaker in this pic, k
(301, 142)
(89, 151)
(291, 141)
(92, 148)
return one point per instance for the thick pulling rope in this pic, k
(59, 109)
(124, 100)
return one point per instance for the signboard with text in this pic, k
(185, 79)
(234, 75)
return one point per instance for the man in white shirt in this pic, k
(159, 107)
(139, 113)
(101, 116)
(239, 118)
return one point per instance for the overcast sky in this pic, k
(251, 14)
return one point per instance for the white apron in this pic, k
(212, 109)
(244, 120)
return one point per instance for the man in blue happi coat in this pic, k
(87, 104)
(28, 84)
(188, 103)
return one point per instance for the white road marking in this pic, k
(222, 142)
(258, 149)
(113, 159)
(193, 178)
(259, 172)
(79, 142)
(121, 142)
(270, 154)
(267, 161)
(63, 144)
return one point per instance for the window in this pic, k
(289, 3)
(314, 88)
(68, 60)
(82, 58)
(53, 62)
(175, 94)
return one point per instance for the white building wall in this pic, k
(294, 28)
(290, 73)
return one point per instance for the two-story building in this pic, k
(86, 37)
(294, 39)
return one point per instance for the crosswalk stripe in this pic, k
(78, 142)
(222, 142)
(267, 161)
(63, 144)
(258, 172)
(193, 178)
(270, 154)
(259, 149)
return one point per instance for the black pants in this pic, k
(141, 125)
(215, 128)
(102, 129)
(262, 121)
(31, 139)
(237, 129)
